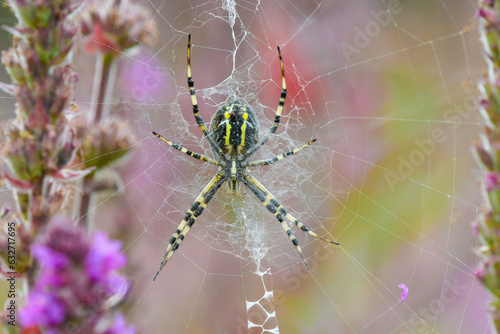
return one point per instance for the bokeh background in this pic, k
(388, 89)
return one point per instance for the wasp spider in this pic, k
(234, 139)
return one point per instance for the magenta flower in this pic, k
(66, 239)
(491, 181)
(43, 309)
(104, 256)
(49, 259)
(77, 280)
(479, 273)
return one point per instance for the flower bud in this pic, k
(113, 26)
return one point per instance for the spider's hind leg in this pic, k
(278, 211)
(194, 212)
(278, 157)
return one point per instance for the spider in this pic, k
(234, 139)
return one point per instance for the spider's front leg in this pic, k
(195, 155)
(279, 111)
(194, 212)
(194, 102)
(271, 204)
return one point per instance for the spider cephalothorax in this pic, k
(234, 129)
(234, 139)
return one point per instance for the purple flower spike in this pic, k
(64, 238)
(49, 259)
(77, 285)
(404, 294)
(42, 309)
(480, 273)
(103, 256)
(492, 180)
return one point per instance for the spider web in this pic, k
(387, 89)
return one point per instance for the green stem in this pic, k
(104, 82)
(495, 319)
(87, 204)
(102, 94)
(22, 203)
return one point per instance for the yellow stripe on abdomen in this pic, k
(228, 134)
(243, 130)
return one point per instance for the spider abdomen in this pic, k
(235, 129)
